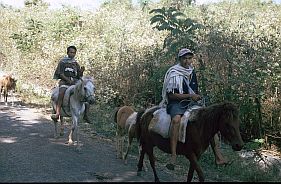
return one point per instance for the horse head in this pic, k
(13, 84)
(229, 125)
(86, 89)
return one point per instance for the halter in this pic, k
(85, 99)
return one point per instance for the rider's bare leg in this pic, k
(59, 103)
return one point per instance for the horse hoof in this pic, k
(226, 163)
(69, 142)
(139, 173)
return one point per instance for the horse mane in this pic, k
(77, 90)
(78, 86)
(115, 114)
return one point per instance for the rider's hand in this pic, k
(82, 68)
(70, 82)
(195, 97)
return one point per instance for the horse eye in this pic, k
(85, 88)
(229, 129)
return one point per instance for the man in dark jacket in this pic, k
(69, 72)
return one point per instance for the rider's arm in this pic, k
(80, 71)
(66, 79)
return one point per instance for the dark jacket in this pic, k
(70, 68)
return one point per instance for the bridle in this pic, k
(86, 98)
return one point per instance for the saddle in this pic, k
(131, 121)
(69, 91)
(161, 123)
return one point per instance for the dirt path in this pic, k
(29, 153)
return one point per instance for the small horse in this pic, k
(125, 118)
(74, 105)
(7, 83)
(203, 124)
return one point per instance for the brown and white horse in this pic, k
(7, 83)
(125, 118)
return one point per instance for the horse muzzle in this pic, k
(237, 147)
(91, 100)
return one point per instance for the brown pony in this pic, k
(7, 83)
(203, 124)
(125, 118)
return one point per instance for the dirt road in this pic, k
(29, 153)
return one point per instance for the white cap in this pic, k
(184, 51)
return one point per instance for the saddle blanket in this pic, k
(68, 92)
(161, 123)
(131, 121)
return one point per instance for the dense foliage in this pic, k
(127, 49)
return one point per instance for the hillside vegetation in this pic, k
(127, 49)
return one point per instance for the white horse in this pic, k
(73, 105)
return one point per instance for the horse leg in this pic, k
(1, 89)
(152, 162)
(117, 144)
(190, 173)
(70, 141)
(61, 126)
(219, 159)
(12, 97)
(56, 129)
(6, 96)
(78, 140)
(141, 157)
(119, 139)
(131, 134)
(145, 168)
(194, 165)
(75, 120)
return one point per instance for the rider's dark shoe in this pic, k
(170, 166)
(55, 117)
(86, 118)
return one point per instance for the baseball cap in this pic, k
(184, 51)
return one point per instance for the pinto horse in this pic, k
(7, 83)
(125, 118)
(74, 105)
(203, 124)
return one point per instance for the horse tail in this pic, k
(143, 121)
(115, 114)
(138, 124)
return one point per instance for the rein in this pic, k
(191, 103)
